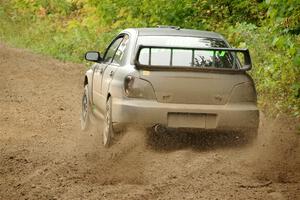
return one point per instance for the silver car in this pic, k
(172, 78)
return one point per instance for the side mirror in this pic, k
(93, 56)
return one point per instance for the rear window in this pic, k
(185, 57)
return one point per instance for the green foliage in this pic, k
(143, 13)
(285, 15)
(275, 71)
(217, 13)
(42, 7)
(206, 14)
(66, 29)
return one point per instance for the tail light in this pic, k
(138, 88)
(244, 92)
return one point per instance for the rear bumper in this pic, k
(149, 113)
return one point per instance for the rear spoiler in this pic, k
(245, 67)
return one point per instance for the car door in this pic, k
(118, 60)
(98, 98)
(97, 78)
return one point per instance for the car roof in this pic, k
(174, 31)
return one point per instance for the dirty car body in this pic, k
(176, 78)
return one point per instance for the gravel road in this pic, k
(44, 154)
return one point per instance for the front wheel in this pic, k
(86, 110)
(108, 131)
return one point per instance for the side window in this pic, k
(120, 54)
(109, 55)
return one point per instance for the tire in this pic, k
(86, 110)
(108, 132)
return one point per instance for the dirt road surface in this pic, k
(44, 155)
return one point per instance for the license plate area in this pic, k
(192, 120)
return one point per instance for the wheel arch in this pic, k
(88, 80)
(85, 81)
(108, 95)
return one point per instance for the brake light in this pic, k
(244, 92)
(138, 88)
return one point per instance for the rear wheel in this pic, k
(108, 131)
(86, 110)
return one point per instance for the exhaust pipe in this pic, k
(158, 128)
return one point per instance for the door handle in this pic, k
(101, 70)
(111, 73)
